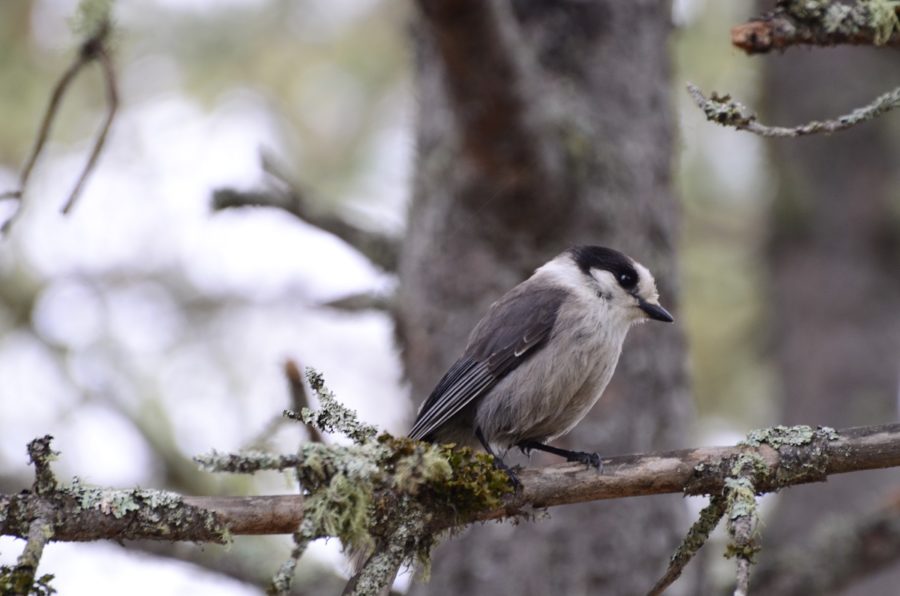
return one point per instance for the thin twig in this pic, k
(381, 249)
(693, 541)
(299, 397)
(284, 577)
(112, 105)
(728, 112)
(92, 49)
(363, 301)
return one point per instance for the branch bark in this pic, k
(819, 23)
(728, 112)
(382, 250)
(778, 462)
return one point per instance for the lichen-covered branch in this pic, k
(728, 112)
(692, 543)
(382, 250)
(784, 457)
(742, 527)
(820, 23)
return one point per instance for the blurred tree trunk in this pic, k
(542, 125)
(834, 255)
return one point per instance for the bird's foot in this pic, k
(511, 472)
(589, 459)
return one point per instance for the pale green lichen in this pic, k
(342, 509)
(120, 503)
(777, 436)
(743, 520)
(332, 416)
(14, 581)
(883, 19)
(91, 17)
(379, 494)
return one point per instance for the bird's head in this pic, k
(627, 286)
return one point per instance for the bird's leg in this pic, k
(498, 461)
(589, 459)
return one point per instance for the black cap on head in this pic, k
(599, 257)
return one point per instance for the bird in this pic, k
(541, 357)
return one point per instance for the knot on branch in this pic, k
(722, 109)
(40, 454)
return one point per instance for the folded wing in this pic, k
(515, 327)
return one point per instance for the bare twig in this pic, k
(820, 23)
(382, 250)
(94, 48)
(361, 302)
(728, 112)
(112, 105)
(695, 539)
(300, 398)
(282, 581)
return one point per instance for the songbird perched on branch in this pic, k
(541, 357)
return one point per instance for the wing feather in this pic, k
(515, 327)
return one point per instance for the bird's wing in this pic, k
(515, 327)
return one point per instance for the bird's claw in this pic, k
(592, 460)
(513, 477)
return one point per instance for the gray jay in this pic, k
(541, 357)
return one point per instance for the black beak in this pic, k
(655, 311)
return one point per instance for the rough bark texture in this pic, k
(835, 257)
(596, 86)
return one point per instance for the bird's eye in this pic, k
(627, 279)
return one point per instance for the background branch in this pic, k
(382, 250)
(819, 23)
(94, 48)
(728, 112)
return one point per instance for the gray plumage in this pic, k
(542, 355)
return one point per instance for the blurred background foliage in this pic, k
(144, 328)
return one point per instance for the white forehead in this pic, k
(646, 283)
(563, 271)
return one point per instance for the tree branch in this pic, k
(695, 539)
(382, 250)
(820, 23)
(728, 112)
(495, 99)
(119, 515)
